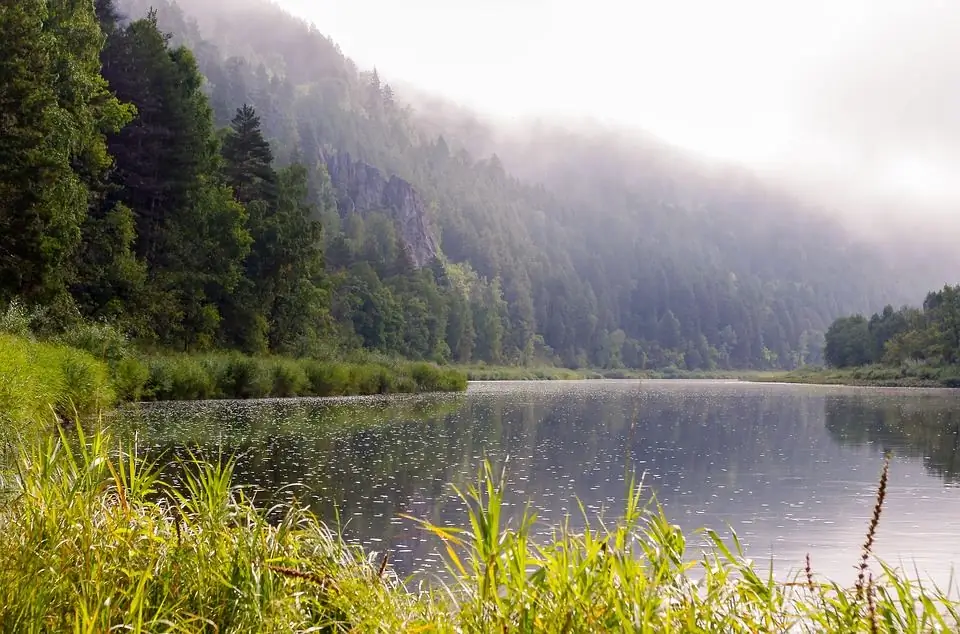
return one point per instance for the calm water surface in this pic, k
(792, 469)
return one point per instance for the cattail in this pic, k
(297, 574)
(872, 531)
(809, 570)
(383, 565)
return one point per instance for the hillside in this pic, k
(439, 240)
(607, 251)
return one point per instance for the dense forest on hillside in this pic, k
(214, 174)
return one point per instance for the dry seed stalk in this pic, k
(298, 574)
(383, 565)
(872, 531)
(872, 607)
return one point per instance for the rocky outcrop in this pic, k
(363, 188)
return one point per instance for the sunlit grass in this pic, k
(91, 540)
(231, 376)
(40, 382)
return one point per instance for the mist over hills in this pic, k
(580, 245)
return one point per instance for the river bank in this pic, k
(870, 376)
(41, 379)
(95, 540)
(553, 373)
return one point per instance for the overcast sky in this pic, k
(862, 92)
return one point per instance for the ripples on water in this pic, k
(792, 469)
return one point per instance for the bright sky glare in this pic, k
(867, 91)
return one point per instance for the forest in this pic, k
(210, 175)
(908, 336)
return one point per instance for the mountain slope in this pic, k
(605, 252)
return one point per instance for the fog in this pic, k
(854, 103)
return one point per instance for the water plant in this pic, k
(91, 539)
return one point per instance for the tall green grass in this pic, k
(41, 382)
(220, 376)
(91, 540)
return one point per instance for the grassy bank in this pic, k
(215, 376)
(91, 540)
(41, 382)
(86, 373)
(551, 373)
(873, 375)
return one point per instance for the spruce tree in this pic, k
(54, 108)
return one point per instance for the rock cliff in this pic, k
(363, 188)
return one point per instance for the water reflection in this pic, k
(922, 425)
(792, 469)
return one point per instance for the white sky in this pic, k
(860, 92)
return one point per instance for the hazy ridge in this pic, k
(597, 246)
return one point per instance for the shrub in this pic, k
(130, 376)
(16, 320)
(179, 378)
(289, 378)
(102, 340)
(244, 377)
(86, 389)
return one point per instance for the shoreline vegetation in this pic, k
(871, 376)
(41, 379)
(552, 373)
(94, 540)
(904, 347)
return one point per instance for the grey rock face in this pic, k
(363, 188)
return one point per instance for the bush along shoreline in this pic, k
(84, 372)
(93, 540)
(874, 376)
(235, 376)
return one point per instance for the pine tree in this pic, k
(54, 108)
(190, 231)
(248, 159)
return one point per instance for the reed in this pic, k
(235, 376)
(91, 539)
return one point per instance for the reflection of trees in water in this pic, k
(377, 461)
(925, 427)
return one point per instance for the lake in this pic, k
(792, 469)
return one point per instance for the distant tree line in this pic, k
(926, 335)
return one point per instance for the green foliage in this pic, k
(190, 232)
(229, 376)
(40, 382)
(130, 376)
(900, 338)
(102, 340)
(17, 320)
(55, 106)
(200, 555)
(848, 342)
